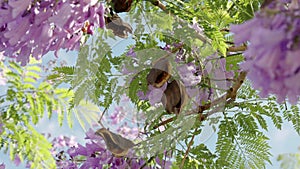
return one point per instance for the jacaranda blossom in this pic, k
(30, 27)
(272, 58)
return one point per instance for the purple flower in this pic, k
(66, 165)
(131, 52)
(166, 48)
(19, 7)
(196, 26)
(272, 56)
(187, 73)
(62, 16)
(71, 141)
(94, 155)
(119, 163)
(155, 94)
(243, 32)
(90, 134)
(17, 160)
(2, 166)
(125, 98)
(91, 162)
(128, 132)
(118, 115)
(220, 74)
(142, 95)
(101, 15)
(35, 28)
(163, 163)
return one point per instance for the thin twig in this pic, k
(163, 123)
(188, 149)
(99, 121)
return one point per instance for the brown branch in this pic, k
(159, 4)
(229, 97)
(237, 48)
(188, 149)
(164, 123)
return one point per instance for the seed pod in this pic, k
(174, 97)
(115, 143)
(118, 26)
(121, 5)
(160, 73)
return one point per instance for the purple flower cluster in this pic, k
(2, 166)
(188, 74)
(272, 58)
(212, 69)
(204, 82)
(129, 132)
(30, 27)
(95, 155)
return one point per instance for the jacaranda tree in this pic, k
(148, 77)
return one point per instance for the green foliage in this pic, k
(91, 80)
(289, 161)
(62, 75)
(169, 138)
(199, 157)
(292, 114)
(26, 101)
(87, 114)
(260, 109)
(241, 147)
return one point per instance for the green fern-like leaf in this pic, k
(239, 147)
(198, 157)
(292, 114)
(28, 99)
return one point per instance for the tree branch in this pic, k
(188, 149)
(237, 48)
(159, 4)
(229, 97)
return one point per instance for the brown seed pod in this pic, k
(118, 26)
(115, 143)
(121, 5)
(160, 73)
(174, 97)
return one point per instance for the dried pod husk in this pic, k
(175, 97)
(160, 73)
(115, 143)
(121, 5)
(118, 26)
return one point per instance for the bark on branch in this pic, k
(228, 97)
